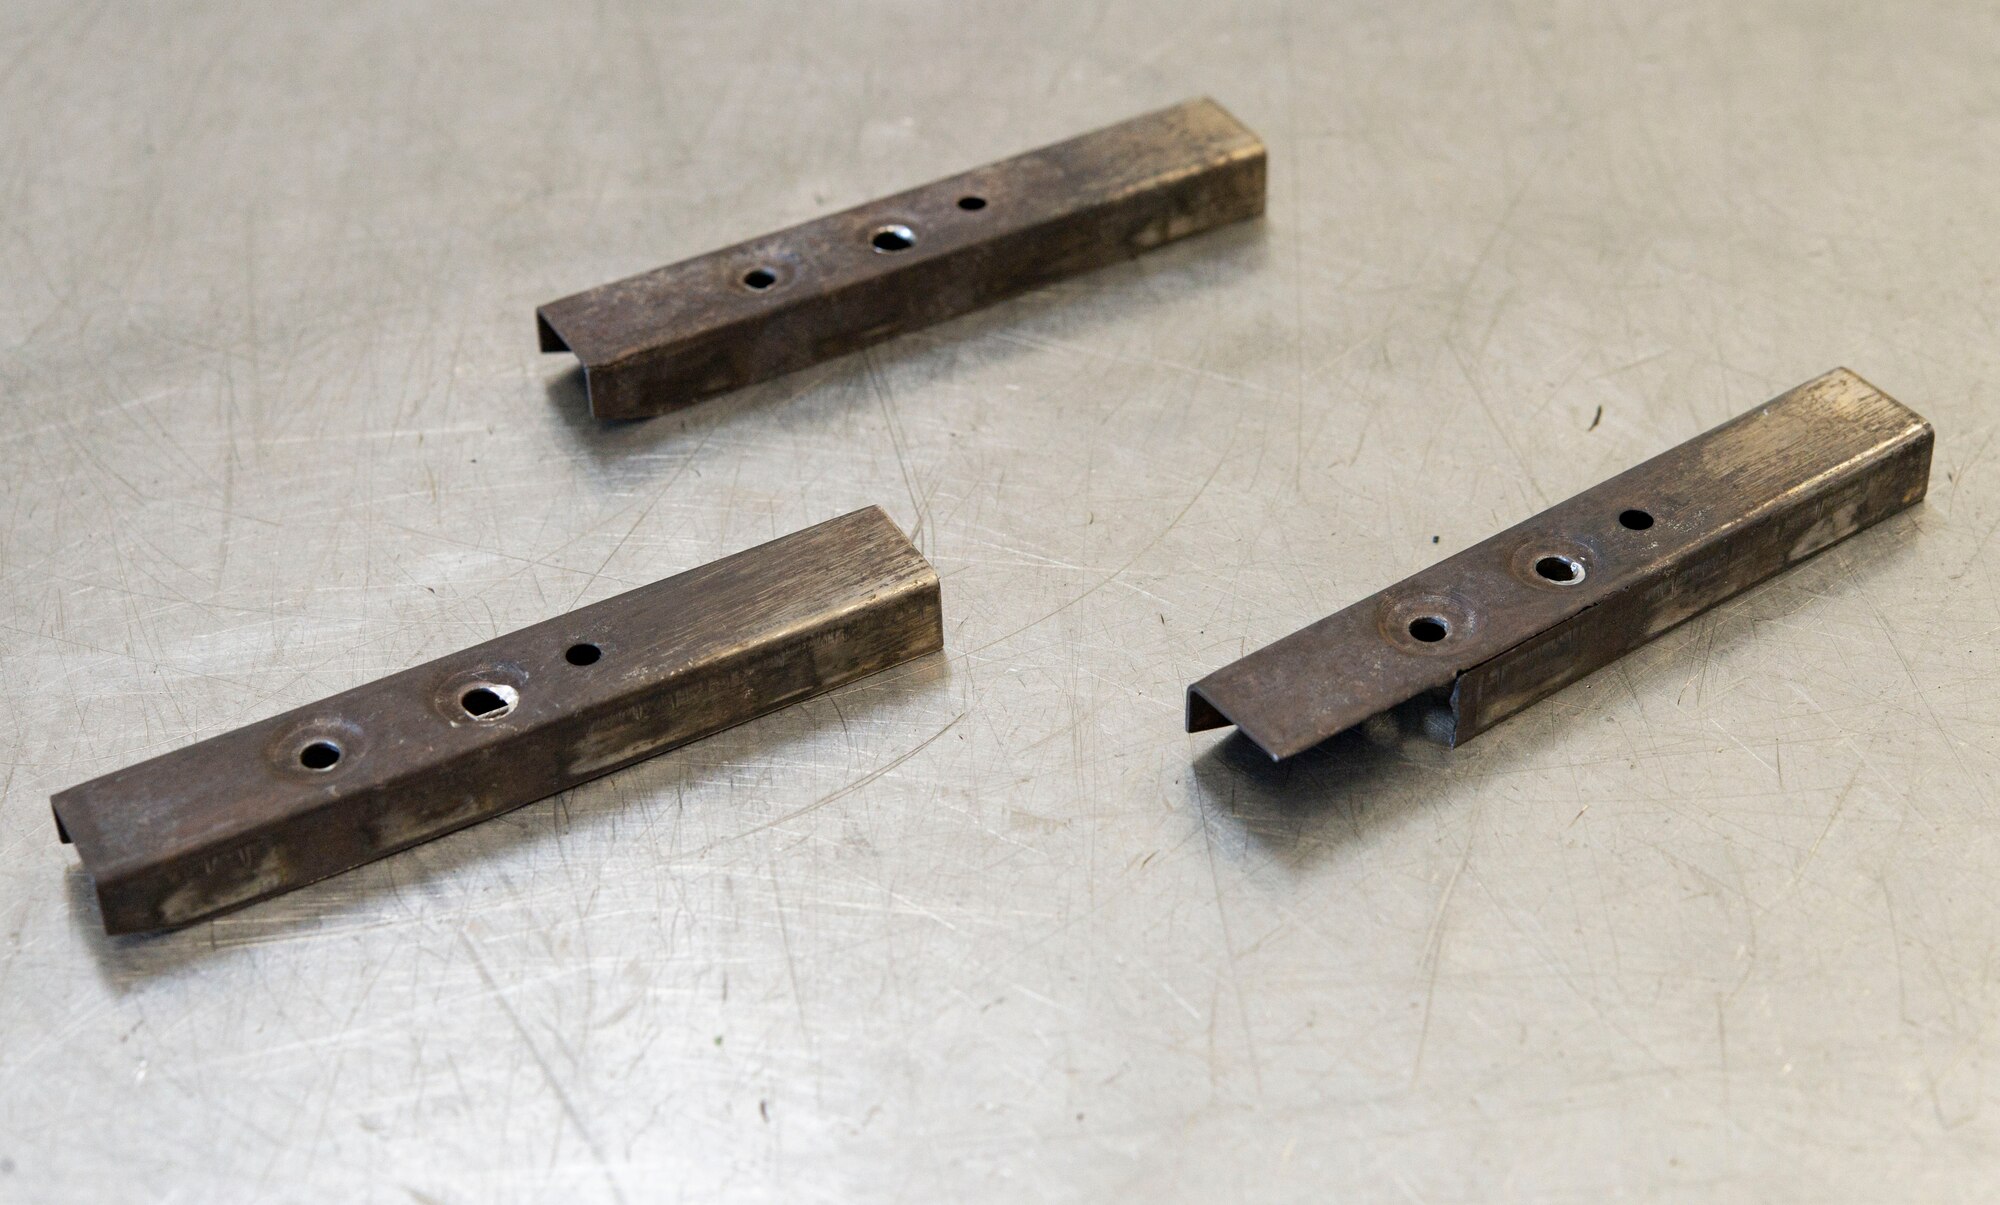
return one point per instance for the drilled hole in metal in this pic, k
(320, 755)
(1429, 628)
(488, 702)
(759, 278)
(893, 238)
(970, 203)
(582, 654)
(1559, 569)
(1637, 520)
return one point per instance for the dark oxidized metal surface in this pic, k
(665, 338)
(1540, 605)
(322, 789)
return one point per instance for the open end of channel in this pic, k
(1202, 715)
(551, 340)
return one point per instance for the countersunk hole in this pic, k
(1429, 628)
(971, 203)
(320, 755)
(582, 654)
(759, 278)
(488, 702)
(893, 238)
(1561, 570)
(1637, 520)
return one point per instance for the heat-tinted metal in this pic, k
(327, 787)
(665, 338)
(1508, 621)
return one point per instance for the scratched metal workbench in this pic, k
(1721, 922)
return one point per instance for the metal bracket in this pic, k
(663, 339)
(278, 804)
(1509, 621)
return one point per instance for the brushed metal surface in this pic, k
(1518, 616)
(323, 788)
(780, 302)
(1711, 925)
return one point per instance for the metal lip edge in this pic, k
(1916, 437)
(1203, 715)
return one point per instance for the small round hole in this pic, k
(759, 278)
(1559, 569)
(488, 702)
(582, 654)
(1429, 629)
(1637, 520)
(972, 203)
(893, 238)
(320, 755)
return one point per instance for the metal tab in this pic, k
(660, 340)
(1511, 620)
(327, 787)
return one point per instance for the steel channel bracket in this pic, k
(325, 788)
(1509, 621)
(660, 340)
